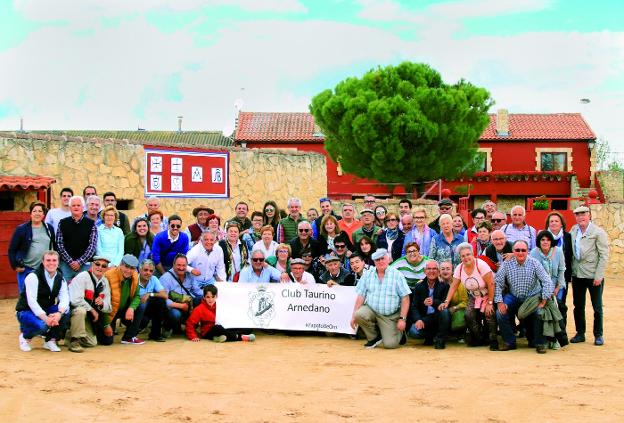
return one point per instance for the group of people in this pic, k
(82, 268)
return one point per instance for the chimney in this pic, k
(502, 123)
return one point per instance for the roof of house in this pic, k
(199, 138)
(283, 127)
(551, 126)
(25, 182)
(300, 127)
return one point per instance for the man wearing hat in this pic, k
(445, 206)
(125, 298)
(298, 273)
(195, 230)
(335, 273)
(368, 228)
(382, 302)
(590, 253)
(90, 302)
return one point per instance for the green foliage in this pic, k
(403, 124)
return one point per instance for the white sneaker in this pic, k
(51, 345)
(24, 343)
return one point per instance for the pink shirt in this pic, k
(474, 283)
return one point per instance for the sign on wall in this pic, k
(186, 173)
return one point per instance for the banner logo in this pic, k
(261, 306)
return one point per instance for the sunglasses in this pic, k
(98, 264)
(304, 230)
(175, 226)
(257, 260)
(520, 250)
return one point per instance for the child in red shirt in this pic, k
(204, 315)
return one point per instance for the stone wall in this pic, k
(118, 166)
(610, 217)
(612, 183)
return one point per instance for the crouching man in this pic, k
(42, 306)
(383, 302)
(125, 299)
(90, 300)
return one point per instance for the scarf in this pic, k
(392, 234)
(558, 238)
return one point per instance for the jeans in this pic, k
(132, 326)
(21, 278)
(32, 326)
(579, 288)
(155, 309)
(69, 273)
(533, 324)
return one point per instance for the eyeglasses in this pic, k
(497, 220)
(340, 247)
(98, 264)
(175, 226)
(304, 230)
(257, 260)
(520, 250)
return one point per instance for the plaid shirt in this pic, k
(522, 280)
(383, 297)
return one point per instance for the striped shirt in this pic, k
(412, 273)
(522, 280)
(383, 297)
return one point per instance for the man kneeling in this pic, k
(90, 300)
(204, 315)
(382, 301)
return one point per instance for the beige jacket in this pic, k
(594, 248)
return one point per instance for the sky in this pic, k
(125, 64)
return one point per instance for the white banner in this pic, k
(287, 306)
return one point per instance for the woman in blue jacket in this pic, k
(28, 243)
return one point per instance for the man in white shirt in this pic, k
(298, 273)
(207, 257)
(42, 306)
(54, 216)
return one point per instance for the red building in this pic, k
(524, 155)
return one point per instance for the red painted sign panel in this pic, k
(186, 173)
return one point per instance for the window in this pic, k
(554, 162)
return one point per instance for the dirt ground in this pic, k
(308, 378)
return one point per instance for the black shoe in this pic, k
(439, 344)
(373, 343)
(507, 347)
(403, 340)
(157, 339)
(577, 338)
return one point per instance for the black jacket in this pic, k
(417, 309)
(21, 240)
(397, 246)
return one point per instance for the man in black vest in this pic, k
(42, 306)
(76, 240)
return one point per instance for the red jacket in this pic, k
(203, 315)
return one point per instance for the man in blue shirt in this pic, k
(260, 271)
(168, 244)
(153, 300)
